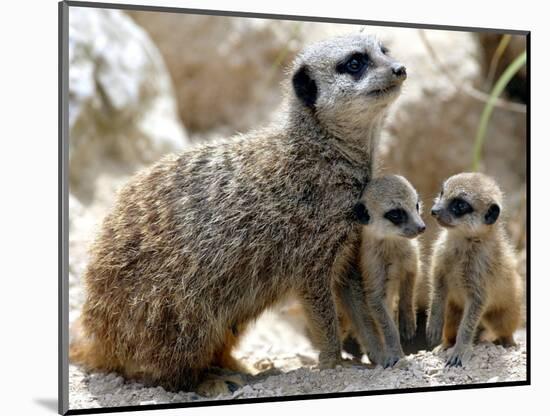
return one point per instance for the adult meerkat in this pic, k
(473, 272)
(388, 264)
(202, 242)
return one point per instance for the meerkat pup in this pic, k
(202, 242)
(388, 264)
(473, 273)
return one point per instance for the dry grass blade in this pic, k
(468, 89)
(499, 51)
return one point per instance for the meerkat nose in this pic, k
(399, 71)
(421, 229)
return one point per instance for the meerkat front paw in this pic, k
(433, 334)
(455, 360)
(328, 361)
(407, 327)
(458, 357)
(376, 357)
(390, 360)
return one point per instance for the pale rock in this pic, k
(122, 111)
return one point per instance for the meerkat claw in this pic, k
(454, 361)
(390, 362)
(233, 387)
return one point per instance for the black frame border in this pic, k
(63, 207)
(318, 19)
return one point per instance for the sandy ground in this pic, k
(277, 343)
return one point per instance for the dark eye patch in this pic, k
(460, 207)
(396, 216)
(384, 50)
(355, 65)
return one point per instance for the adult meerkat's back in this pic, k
(473, 273)
(202, 242)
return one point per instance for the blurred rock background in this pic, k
(146, 83)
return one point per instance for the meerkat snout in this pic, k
(414, 227)
(414, 230)
(399, 71)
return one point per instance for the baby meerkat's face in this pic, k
(390, 207)
(469, 203)
(347, 78)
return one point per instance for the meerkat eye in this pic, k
(417, 206)
(355, 65)
(459, 207)
(396, 216)
(384, 50)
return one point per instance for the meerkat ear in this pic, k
(361, 213)
(305, 87)
(492, 214)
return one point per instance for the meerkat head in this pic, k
(390, 207)
(347, 80)
(469, 203)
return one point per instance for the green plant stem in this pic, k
(501, 83)
(502, 45)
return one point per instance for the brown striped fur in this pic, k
(202, 242)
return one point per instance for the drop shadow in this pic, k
(49, 404)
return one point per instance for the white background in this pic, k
(28, 204)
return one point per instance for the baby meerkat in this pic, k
(473, 273)
(388, 263)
